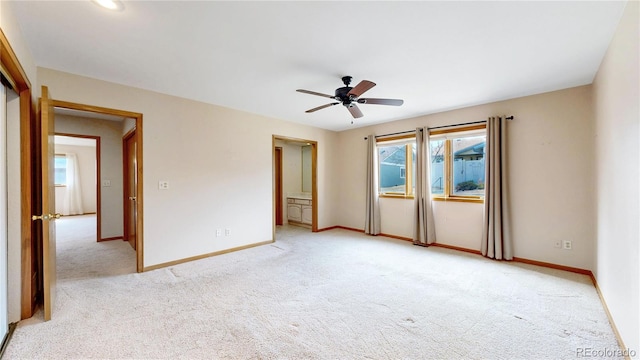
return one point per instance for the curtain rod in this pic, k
(397, 133)
(469, 123)
(438, 127)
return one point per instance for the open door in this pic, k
(129, 148)
(48, 215)
(278, 171)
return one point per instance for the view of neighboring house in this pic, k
(393, 171)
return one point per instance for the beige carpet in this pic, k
(331, 295)
(79, 256)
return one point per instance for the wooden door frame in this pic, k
(125, 180)
(98, 182)
(278, 184)
(314, 177)
(139, 188)
(14, 71)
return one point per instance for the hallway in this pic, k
(79, 256)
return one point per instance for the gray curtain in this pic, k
(424, 231)
(496, 239)
(372, 222)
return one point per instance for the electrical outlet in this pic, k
(558, 244)
(566, 245)
(227, 232)
(163, 185)
(106, 183)
(218, 232)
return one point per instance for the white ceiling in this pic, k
(252, 56)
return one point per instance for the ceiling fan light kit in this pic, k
(349, 97)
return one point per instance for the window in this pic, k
(457, 164)
(396, 162)
(437, 167)
(60, 162)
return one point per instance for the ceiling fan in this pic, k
(350, 97)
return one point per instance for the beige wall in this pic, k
(87, 166)
(12, 31)
(128, 125)
(307, 171)
(218, 163)
(550, 178)
(617, 158)
(291, 168)
(110, 133)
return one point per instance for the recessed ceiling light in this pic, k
(110, 4)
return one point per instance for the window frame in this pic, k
(60, 156)
(447, 135)
(408, 168)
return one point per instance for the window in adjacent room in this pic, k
(60, 162)
(396, 164)
(457, 164)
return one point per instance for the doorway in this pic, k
(24, 247)
(130, 185)
(10, 201)
(4, 206)
(295, 193)
(278, 184)
(44, 180)
(77, 174)
(110, 183)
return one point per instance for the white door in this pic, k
(4, 310)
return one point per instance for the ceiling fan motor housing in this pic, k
(342, 94)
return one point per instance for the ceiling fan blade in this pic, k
(394, 102)
(360, 89)
(315, 93)
(355, 111)
(321, 107)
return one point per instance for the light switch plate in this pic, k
(106, 182)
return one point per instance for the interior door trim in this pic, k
(139, 187)
(125, 183)
(278, 186)
(13, 70)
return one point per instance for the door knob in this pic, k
(133, 198)
(46, 217)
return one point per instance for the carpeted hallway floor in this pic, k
(331, 295)
(79, 256)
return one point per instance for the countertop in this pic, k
(305, 196)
